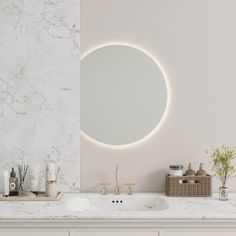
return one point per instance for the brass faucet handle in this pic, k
(104, 188)
(130, 188)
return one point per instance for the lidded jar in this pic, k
(176, 170)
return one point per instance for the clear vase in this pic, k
(223, 193)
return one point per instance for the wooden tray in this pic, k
(39, 197)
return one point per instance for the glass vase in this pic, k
(223, 193)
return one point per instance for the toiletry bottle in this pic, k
(201, 171)
(6, 176)
(13, 184)
(189, 171)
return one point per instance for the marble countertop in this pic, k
(179, 208)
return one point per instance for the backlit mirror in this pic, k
(123, 94)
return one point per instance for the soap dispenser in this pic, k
(201, 171)
(190, 171)
(13, 183)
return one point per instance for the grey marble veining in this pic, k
(39, 86)
(179, 208)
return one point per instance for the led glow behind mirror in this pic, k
(123, 94)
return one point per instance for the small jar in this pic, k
(176, 170)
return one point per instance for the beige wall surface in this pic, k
(195, 43)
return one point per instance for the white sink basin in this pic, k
(136, 202)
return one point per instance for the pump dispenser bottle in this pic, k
(13, 183)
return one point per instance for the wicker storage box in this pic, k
(189, 186)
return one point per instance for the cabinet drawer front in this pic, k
(118, 233)
(33, 233)
(200, 233)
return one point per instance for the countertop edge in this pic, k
(117, 223)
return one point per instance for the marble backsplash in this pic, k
(39, 86)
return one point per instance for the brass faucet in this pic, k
(117, 186)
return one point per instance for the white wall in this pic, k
(195, 40)
(39, 86)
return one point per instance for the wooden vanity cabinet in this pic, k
(199, 233)
(33, 233)
(176, 232)
(118, 233)
(118, 228)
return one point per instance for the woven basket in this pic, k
(189, 186)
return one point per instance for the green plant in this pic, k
(221, 159)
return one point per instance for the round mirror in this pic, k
(123, 94)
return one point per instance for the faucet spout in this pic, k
(117, 186)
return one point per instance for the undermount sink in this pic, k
(136, 202)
